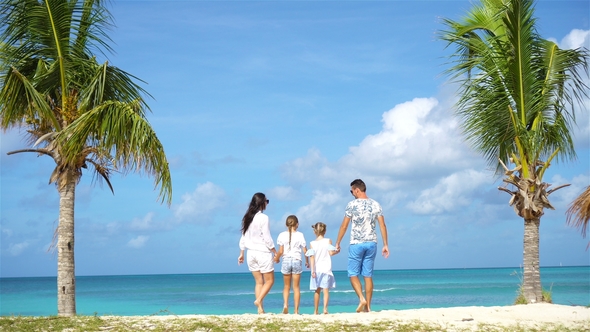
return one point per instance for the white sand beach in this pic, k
(464, 318)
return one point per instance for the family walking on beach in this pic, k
(362, 213)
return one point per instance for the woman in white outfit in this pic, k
(261, 249)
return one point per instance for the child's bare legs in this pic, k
(316, 301)
(286, 291)
(264, 282)
(296, 292)
(326, 300)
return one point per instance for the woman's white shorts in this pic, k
(260, 261)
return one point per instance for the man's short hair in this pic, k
(358, 183)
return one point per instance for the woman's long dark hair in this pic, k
(258, 203)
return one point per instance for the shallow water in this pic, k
(233, 293)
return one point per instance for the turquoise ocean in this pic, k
(233, 293)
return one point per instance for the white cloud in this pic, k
(143, 224)
(575, 39)
(304, 169)
(200, 204)
(450, 193)
(16, 249)
(417, 164)
(283, 193)
(414, 136)
(325, 206)
(419, 141)
(138, 242)
(113, 227)
(562, 198)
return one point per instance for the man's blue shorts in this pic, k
(361, 259)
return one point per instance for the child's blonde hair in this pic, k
(319, 228)
(291, 223)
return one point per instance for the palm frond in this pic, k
(105, 82)
(20, 101)
(93, 20)
(516, 89)
(578, 214)
(102, 172)
(122, 129)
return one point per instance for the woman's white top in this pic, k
(258, 236)
(292, 250)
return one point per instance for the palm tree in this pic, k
(516, 106)
(75, 110)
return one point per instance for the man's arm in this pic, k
(383, 229)
(342, 232)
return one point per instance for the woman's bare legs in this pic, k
(286, 291)
(264, 282)
(296, 292)
(259, 281)
(326, 300)
(316, 301)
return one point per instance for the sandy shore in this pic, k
(531, 316)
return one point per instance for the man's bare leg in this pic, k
(358, 289)
(368, 292)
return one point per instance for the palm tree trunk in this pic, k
(531, 276)
(66, 279)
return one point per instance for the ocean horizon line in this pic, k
(277, 271)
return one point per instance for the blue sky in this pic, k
(294, 99)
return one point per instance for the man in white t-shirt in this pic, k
(365, 213)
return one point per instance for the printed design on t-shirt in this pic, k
(363, 214)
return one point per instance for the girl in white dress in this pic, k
(291, 243)
(321, 266)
